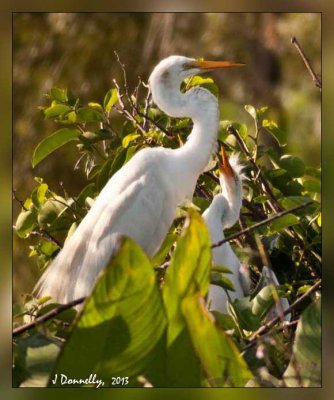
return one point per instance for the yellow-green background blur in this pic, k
(96, 87)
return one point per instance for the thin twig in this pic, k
(18, 200)
(315, 78)
(266, 189)
(45, 317)
(263, 329)
(257, 225)
(286, 324)
(265, 261)
(46, 235)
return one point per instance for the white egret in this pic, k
(140, 200)
(223, 213)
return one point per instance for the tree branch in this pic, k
(263, 329)
(315, 78)
(266, 221)
(45, 317)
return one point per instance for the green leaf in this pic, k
(251, 111)
(161, 255)
(204, 82)
(221, 280)
(59, 94)
(51, 210)
(86, 114)
(312, 185)
(241, 310)
(293, 165)
(283, 222)
(38, 195)
(37, 355)
(52, 143)
(121, 323)
(223, 131)
(129, 138)
(293, 201)
(56, 110)
(220, 359)
(276, 133)
(47, 248)
(96, 106)
(87, 191)
(305, 365)
(25, 223)
(110, 167)
(188, 271)
(110, 99)
(263, 302)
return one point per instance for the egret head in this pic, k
(231, 178)
(177, 68)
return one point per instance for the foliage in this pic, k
(161, 333)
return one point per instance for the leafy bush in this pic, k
(154, 329)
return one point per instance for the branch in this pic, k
(45, 317)
(266, 221)
(266, 189)
(271, 323)
(315, 78)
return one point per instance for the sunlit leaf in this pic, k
(220, 359)
(121, 323)
(52, 143)
(275, 131)
(56, 110)
(110, 99)
(59, 94)
(251, 111)
(188, 272)
(129, 138)
(25, 223)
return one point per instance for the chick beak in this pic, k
(225, 166)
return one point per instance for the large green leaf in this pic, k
(220, 359)
(52, 143)
(121, 323)
(188, 272)
(304, 368)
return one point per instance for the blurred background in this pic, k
(76, 51)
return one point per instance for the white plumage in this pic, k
(140, 200)
(223, 213)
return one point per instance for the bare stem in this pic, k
(315, 78)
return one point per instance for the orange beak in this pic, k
(225, 167)
(210, 65)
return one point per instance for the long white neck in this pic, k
(202, 107)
